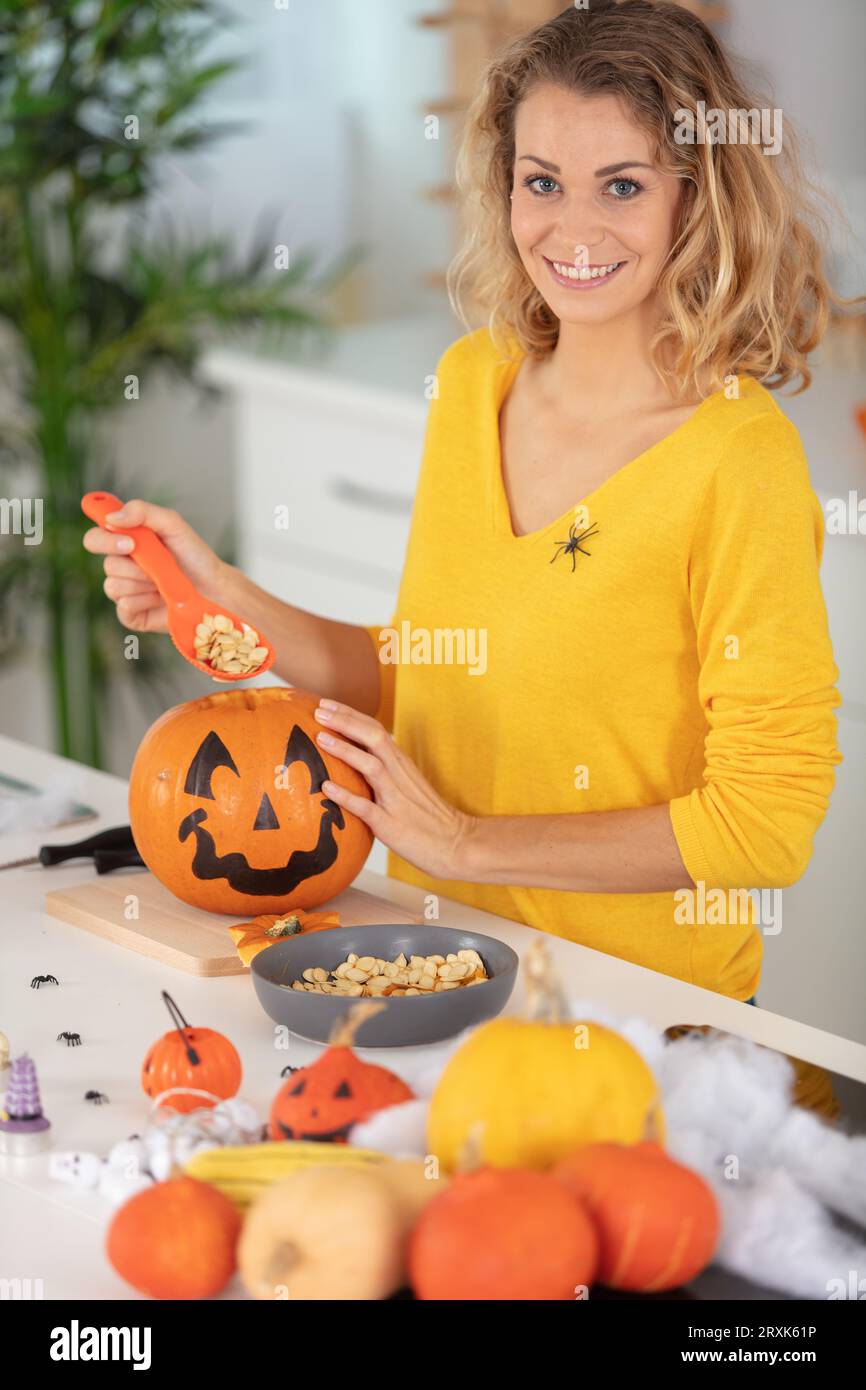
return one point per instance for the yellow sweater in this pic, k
(684, 660)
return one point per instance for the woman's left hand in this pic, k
(406, 813)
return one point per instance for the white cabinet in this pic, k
(334, 446)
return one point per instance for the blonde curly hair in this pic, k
(743, 290)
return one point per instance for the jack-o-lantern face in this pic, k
(227, 808)
(233, 866)
(324, 1100)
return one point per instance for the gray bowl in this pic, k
(422, 1018)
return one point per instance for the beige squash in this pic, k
(334, 1233)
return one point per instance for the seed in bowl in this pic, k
(223, 647)
(378, 979)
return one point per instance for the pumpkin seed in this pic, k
(222, 646)
(382, 979)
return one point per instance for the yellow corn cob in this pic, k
(243, 1171)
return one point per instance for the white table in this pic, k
(53, 1233)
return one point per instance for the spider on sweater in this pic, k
(573, 544)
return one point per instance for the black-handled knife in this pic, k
(109, 849)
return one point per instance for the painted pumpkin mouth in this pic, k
(326, 1136)
(301, 864)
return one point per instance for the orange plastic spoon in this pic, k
(184, 604)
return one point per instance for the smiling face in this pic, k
(324, 1100)
(234, 867)
(592, 215)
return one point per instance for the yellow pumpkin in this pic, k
(526, 1092)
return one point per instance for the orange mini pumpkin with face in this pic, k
(227, 809)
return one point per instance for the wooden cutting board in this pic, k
(178, 935)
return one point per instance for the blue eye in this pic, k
(627, 189)
(540, 178)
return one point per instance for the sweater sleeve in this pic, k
(387, 681)
(767, 674)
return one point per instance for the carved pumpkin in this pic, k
(338, 1090)
(197, 1058)
(227, 809)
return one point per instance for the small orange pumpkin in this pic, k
(503, 1233)
(198, 1058)
(658, 1222)
(253, 937)
(175, 1240)
(338, 1090)
(227, 808)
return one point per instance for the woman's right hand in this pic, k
(139, 605)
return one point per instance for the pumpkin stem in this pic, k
(345, 1030)
(180, 1023)
(546, 1002)
(285, 926)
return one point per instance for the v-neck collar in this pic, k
(502, 380)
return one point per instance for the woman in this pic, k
(612, 503)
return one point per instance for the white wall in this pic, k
(812, 56)
(337, 146)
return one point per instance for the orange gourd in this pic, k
(503, 1233)
(658, 1222)
(324, 1100)
(197, 1058)
(227, 808)
(176, 1239)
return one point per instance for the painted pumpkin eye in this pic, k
(299, 1088)
(343, 1091)
(212, 753)
(301, 749)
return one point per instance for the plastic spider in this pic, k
(71, 1039)
(573, 544)
(98, 1097)
(43, 980)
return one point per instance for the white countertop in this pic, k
(111, 996)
